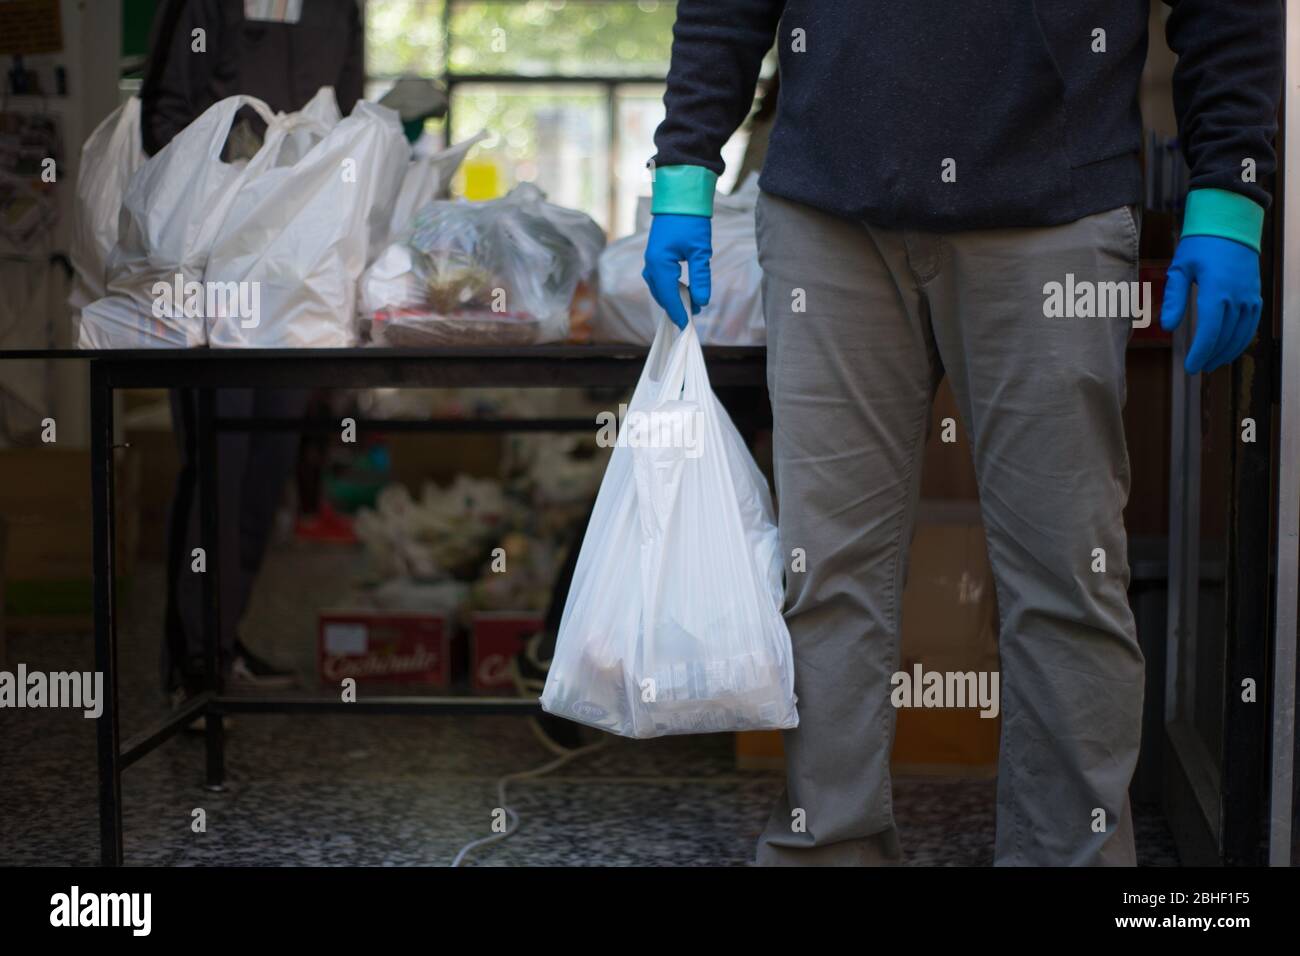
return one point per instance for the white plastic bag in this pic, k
(626, 313)
(425, 177)
(305, 128)
(389, 280)
(109, 158)
(297, 235)
(673, 622)
(171, 213)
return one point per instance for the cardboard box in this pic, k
(950, 623)
(495, 638)
(417, 458)
(949, 604)
(760, 750)
(45, 502)
(387, 647)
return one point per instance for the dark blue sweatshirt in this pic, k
(961, 114)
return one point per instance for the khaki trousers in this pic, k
(862, 325)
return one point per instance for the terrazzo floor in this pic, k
(401, 791)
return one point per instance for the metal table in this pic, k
(735, 372)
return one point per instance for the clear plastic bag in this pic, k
(673, 622)
(501, 272)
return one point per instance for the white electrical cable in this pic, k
(513, 818)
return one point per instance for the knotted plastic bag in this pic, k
(173, 208)
(299, 232)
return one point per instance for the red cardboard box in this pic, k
(386, 647)
(496, 637)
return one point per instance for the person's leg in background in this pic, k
(851, 374)
(1043, 399)
(271, 457)
(252, 470)
(177, 671)
(187, 589)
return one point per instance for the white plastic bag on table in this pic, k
(390, 281)
(172, 211)
(296, 237)
(673, 620)
(626, 313)
(109, 158)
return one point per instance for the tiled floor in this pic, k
(397, 791)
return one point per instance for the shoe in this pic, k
(250, 672)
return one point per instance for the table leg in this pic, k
(209, 495)
(105, 610)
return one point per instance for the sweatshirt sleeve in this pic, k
(175, 75)
(1227, 85)
(718, 50)
(352, 78)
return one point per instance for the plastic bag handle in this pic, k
(229, 108)
(666, 365)
(695, 375)
(678, 375)
(277, 134)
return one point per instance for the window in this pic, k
(570, 91)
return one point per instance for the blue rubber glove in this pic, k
(675, 239)
(1228, 303)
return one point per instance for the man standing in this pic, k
(203, 51)
(936, 166)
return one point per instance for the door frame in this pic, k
(1288, 497)
(1217, 810)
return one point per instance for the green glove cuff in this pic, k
(1228, 215)
(683, 191)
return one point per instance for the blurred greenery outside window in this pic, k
(570, 91)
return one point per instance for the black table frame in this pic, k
(558, 366)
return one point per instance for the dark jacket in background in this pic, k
(281, 63)
(1042, 129)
